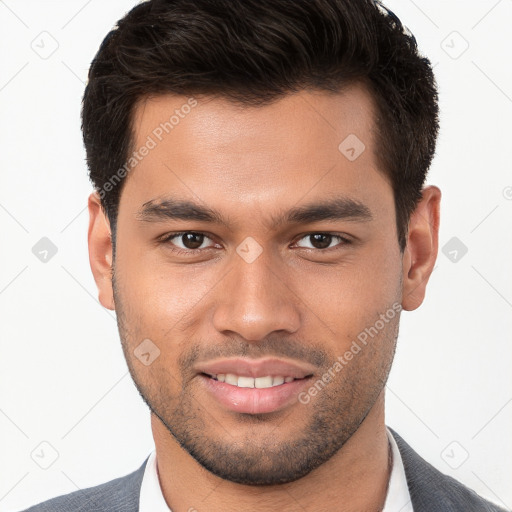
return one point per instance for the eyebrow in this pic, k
(340, 208)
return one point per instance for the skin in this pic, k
(295, 301)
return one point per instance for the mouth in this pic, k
(242, 381)
(254, 387)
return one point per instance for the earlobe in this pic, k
(421, 252)
(100, 251)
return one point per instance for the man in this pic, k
(259, 222)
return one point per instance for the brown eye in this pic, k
(192, 240)
(186, 241)
(322, 241)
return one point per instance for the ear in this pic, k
(100, 251)
(421, 251)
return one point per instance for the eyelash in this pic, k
(188, 252)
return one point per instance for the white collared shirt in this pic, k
(397, 499)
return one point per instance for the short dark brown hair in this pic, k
(254, 52)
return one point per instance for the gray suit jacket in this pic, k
(430, 490)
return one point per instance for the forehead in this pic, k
(214, 151)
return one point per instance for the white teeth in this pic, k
(245, 382)
(276, 381)
(231, 379)
(263, 382)
(250, 382)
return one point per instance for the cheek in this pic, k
(351, 296)
(163, 297)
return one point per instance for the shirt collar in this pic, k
(398, 498)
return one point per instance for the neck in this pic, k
(354, 479)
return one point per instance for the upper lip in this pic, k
(256, 368)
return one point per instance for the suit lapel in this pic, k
(424, 481)
(129, 495)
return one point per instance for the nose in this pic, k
(255, 301)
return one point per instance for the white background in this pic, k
(63, 379)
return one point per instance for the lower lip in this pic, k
(254, 400)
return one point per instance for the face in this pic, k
(251, 249)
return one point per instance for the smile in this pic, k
(252, 382)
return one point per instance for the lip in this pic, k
(257, 368)
(253, 400)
